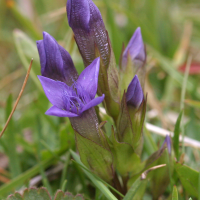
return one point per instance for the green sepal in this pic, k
(103, 137)
(95, 157)
(133, 69)
(113, 77)
(108, 73)
(137, 117)
(161, 176)
(126, 76)
(124, 125)
(130, 124)
(123, 153)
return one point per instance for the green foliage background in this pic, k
(34, 142)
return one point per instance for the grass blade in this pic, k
(175, 194)
(176, 135)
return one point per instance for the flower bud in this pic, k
(134, 56)
(86, 22)
(135, 49)
(132, 115)
(168, 143)
(134, 94)
(92, 39)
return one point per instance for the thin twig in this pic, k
(18, 98)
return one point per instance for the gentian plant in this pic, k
(116, 153)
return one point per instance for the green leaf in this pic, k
(176, 135)
(31, 194)
(175, 194)
(16, 196)
(43, 194)
(101, 186)
(189, 178)
(161, 176)
(60, 195)
(39, 194)
(150, 161)
(137, 189)
(95, 157)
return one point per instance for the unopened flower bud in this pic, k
(86, 22)
(134, 94)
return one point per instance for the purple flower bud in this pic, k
(56, 63)
(168, 143)
(86, 22)
(134, 94)
(135, 49)
(72, 101)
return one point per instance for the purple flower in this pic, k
(86, 22)
(167, 143)
(72, 101)
(55, 61)
(134, 94)
(135, 49)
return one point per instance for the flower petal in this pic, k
(78, 14)
(42, 54)
(93, 103)
(55, 111)
(69, 71)
(54, 91)
(54, 65)
(167, 142)
(135, 48)
(88, 79)
(134, 95)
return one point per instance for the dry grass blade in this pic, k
(163, 132)
(144, 174)
(18, 98)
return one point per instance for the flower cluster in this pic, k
(120, 90)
